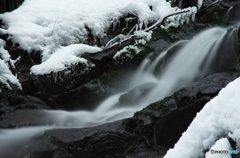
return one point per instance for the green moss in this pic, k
(164, 34)
(215, 8)
(163, 106)
(143, 53)
(114, 79)
(107, 79)
(213, 15)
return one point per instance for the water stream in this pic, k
(191, 62)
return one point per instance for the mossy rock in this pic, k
(165, 34)
(114, 78)
(143, 53)
(156, 109)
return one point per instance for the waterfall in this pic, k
(160, 76)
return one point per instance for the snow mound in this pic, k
(63, 58)
(219, 117)
(48, 25)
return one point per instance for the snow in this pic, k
(64, 57)
(4, 55)
(219, 117)
(221, 145)
(49, 25)
(6, 75)
(128, 52)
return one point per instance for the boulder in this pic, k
(10, 102)
(108, 140)
(206, 87)
(85, 97)
(163, 122)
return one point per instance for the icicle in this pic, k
(118, 23)
(141, 25)
(126, 23)
(136, 27)
(146, 24)
(114, 24)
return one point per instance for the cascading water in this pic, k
(192, 62)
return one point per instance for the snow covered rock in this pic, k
(219, 117)
(55, 27)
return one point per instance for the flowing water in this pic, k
(166, 72)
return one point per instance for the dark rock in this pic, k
(108, 140)
(104, 59)
(22, 118)
(91, 94)
(7, 6)
(85, 97)
(206, 87)
(11, 102)
(171, 127)
(147, 153)
(163, 122)
(233, 13)
(184, 3)
(158, 45)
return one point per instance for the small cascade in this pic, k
(190, 63)
(160, 77)
(147, 70)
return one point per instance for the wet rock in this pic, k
(147, 153)
(92, 93)
(233, 13)
(25, 118)
(158, 45)
(11, 102)
(104, 141)
(164, 122)
(171, 127)
(85, 97)
(206, 87)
